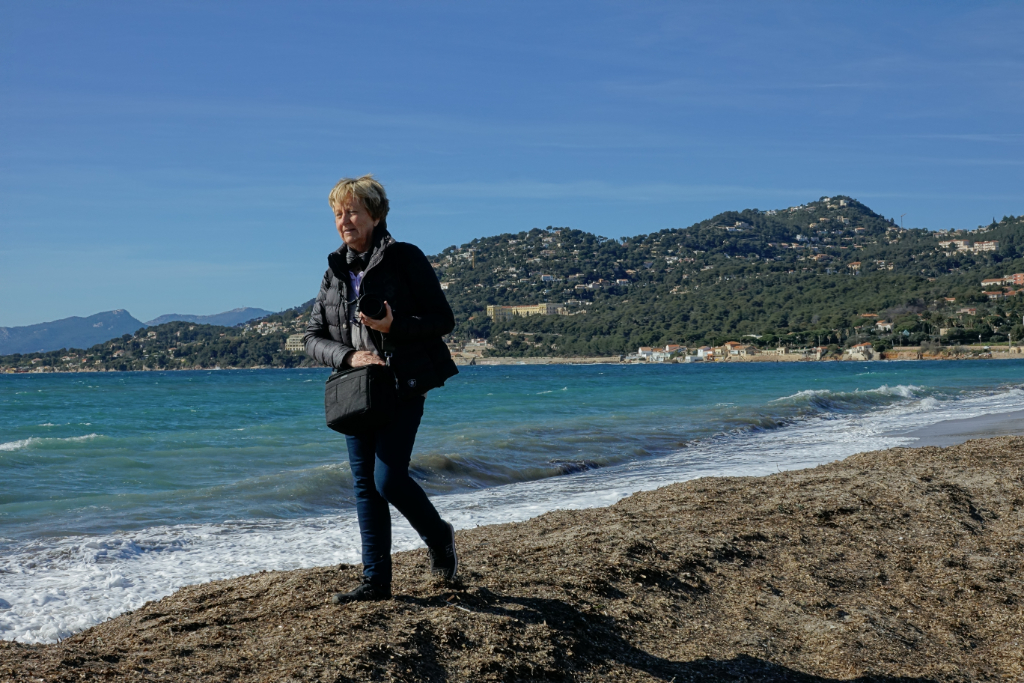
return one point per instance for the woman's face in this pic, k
(354, 224)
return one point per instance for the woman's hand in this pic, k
(382, 325)
(358, 359)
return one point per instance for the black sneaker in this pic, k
(364, 592)
(445, 561)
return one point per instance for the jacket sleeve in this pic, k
(432, 317)
(319, 345)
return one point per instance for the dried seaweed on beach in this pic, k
(903, 564)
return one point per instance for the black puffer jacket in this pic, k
(400, 274)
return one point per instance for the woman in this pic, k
(369, 268)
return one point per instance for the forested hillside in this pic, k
(825, 271)
(795, 274)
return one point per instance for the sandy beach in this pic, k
(903, 564)
(952, 432)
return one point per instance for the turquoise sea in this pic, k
(118, 488)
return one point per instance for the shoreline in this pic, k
(552, 360)
(902, 356)
(901, 562)
(955, 432)
(765, 358)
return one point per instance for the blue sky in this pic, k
(176, 156)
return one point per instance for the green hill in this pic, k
(793, 276)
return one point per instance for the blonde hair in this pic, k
(367, 189)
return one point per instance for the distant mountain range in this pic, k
(81, 333)
(73, 332)
(227, 319)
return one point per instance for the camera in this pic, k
(371, 306)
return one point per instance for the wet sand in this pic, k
(897, 565)
(953, 432)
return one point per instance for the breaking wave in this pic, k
(25, 443)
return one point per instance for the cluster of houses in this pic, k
(730, 350)
(968, 245)
(1007, 282)
(733, 350)
(827, 201)
(880, 264)
(659, 355)
(263, 327)
(548, 279)
(471, 350)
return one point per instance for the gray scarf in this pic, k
(357, 262)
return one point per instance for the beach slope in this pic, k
(904, 564)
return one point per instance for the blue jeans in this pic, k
(380, 475)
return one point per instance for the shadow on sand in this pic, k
(586, 643)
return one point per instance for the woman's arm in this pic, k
(319, 345)
(434, 317)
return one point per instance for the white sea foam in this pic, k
(17, 445)
(85, 437)
(803, 394)
(900, 390)
(51, 588)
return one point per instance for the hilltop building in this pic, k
(1015, 279)
(968, 245)
(497, 313)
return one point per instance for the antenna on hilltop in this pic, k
(901, 220)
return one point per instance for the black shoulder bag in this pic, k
(362, 399)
